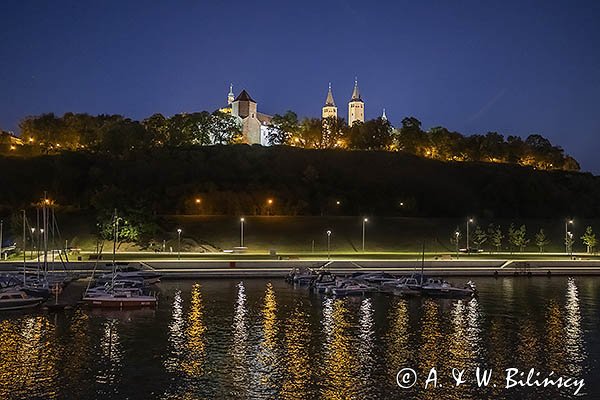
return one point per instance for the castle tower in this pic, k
(383, 116)
(230, 96)
(329, 109)
(356, 107)
(244, 108)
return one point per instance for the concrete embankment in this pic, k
(175, 269)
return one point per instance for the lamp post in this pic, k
(457, 235)
(1, 228)
(328, 245)
(269, 204)
(469, 221)
(179, 244)
(567, 223)
(571, 244)
(364, 223)
(242, 232)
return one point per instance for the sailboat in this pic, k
(113, 296)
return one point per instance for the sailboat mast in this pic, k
(115, 239)
(422, 263)
(24, 246)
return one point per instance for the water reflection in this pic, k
(366, 338)
(266, 340)
(573, 334)
(297, 376)
(28, 358)
(266, 370)
(340, 364)
(398, 339)
(111, 354)
(239, 347)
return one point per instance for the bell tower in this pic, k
(329, 109)
(356, 107)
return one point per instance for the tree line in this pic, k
(117, 135)
(437, 143)
(493, 239)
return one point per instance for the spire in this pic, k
(355, 92)
(329, 100)
(383, 116)
(230, 96)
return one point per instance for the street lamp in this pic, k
(457, 235)
(328, 245)
(242, 232)
(571, 244)
(269, 204)
(469, 221)
(364, 223)
(567, 223)
(179, 244)
(1, 228)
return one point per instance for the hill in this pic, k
(239, 180)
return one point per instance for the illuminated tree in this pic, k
(541, 241)
(589, 239)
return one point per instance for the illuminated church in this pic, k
(356, 106)
(255, 125)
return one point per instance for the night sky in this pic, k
(516, 67)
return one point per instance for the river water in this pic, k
(263, 339)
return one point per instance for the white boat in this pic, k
(18, 300)
(120, 300)
(351, 288)
(113, 297)
(437, 287)
(132, 273)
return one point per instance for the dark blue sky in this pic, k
(516, 67)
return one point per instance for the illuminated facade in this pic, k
(329, 109)
(356, 107)
(255, 125)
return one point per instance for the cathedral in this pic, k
(255, 125)
(356, 107)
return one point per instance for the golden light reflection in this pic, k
(297, 375)
(28, 358)
(340, 362)
(398, 339)
(554, 337)
(432, 341)
(268, 367)
(193, 362)
(528, 346)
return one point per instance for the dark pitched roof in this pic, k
(244, 96)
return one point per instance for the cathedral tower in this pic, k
(329, 109)
(230, 96)
(356, 107)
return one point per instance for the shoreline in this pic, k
(193, 269)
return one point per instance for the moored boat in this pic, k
(17, 300)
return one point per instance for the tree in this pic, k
(455, 238)
(569, 241)
(589, 239)
(541, 241)
(517, 237)
(375, 134)
(284, 129)
(224, 129)
(479, 238)
(496, 236)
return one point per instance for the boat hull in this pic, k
(140, 302)
(19, 304)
